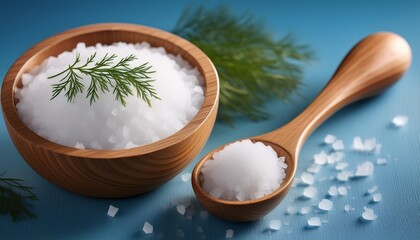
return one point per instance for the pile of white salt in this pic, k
(242, 171)
(106, 124)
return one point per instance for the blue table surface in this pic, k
(331, 28)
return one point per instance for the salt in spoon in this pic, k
(374, 64)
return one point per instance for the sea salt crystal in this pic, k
(341, 166)
(333, 191)
(309, 192)
(275, 225)
(381, 161)
(314, 222)
(347, 208)
(291, 210)
(307, 178)
(364, 170)
(400, 120)
(335, 157)
(358, 144)
(369, 214)
(237, 173)
(112, 211)
(342, 191)
(372, 189)
(147, 228)
(186, 177)
(229, 233)
(79, 145)
(325, 205)
(321, 158)
(329, 139)
(377, 197)
(338, 145)
(314, 168)
(369, 145)
(344, 176)
(305, 210)
(181, 209)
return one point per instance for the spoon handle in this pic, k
(374, 64)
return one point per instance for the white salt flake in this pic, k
(314, 168)
(275, 225)
(181, 209)
(372, 189)
(370, 144)
(333, 191)
(309, 192)
(329, 139)
(147, 228)
(314, 222)
(342, 191)
(112, 211)
(377, 197)
(79, 145)
(305, 210)
(341, 166)
(325, 205)
(338, 145)
(358, 144)
(369, 214)
(291, 210)
(307, 178)
(381, 161)
(186, 177)
(229, 233)
(400, 120)
(344, 176)
(364, 170)
(347, 208)
(321, 158)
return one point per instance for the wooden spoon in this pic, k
(374, 64)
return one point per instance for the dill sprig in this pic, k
(14, 198)
(105, 76)
(252, 65)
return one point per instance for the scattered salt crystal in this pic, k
(147, 228)
(314, 168)
(186, 177)
(341, 166)
(358, 144)
(381, 161)
(342, 191)
(370, 144)
(344, 176)
(305, 210)
(291, 210)
(347, 208)
(229, 233)
(365, 169)
(377, 197)
(275, 225)
(325, 205)
(180, 233)
(372, 189)
(307, 178)
(181, 209)
(112, 211)
(338, 145)
(329, 139)
(79, 145)
(309, 192)
(237, 173)
(314, 222)
(321, 158)
(369, 214)
(333, 191)
(400, 120)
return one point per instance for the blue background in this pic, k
(331, 28)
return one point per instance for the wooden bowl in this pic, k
(111, 173)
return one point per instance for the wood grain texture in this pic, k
(111, 173)
(370, 67)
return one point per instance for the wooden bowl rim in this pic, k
(207, 68)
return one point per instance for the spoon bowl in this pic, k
(374, 64)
